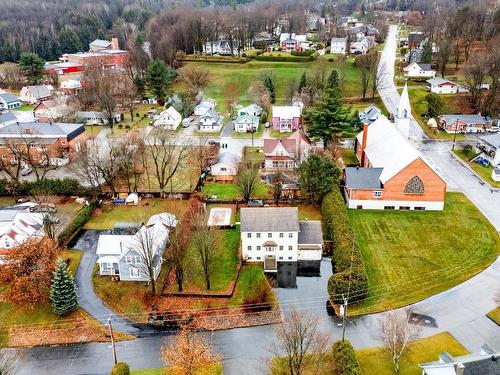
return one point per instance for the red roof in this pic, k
(289, 144)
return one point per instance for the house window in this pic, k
(223, 169)
(280, 258)
(414, 186)
(281, 247)
(109, 265)
(134, 272)
(258, 258)
(389, 207)
(420, 208)
(128, 259)
(249, 258)
(290, 248)
(289, 258)
(249, 235)
(137, 259)
(269, 235)
(359, 207)
(249, 248)
(404, 207)
(281, 235)
(377, 194)
(258, 235)
(258, 247)
(4, 157)
(290, 235)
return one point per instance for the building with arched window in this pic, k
(392, 174)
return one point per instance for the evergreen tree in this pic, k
(69, 41)
(328, 118)
(318, 175)
(63, 290)
(302, 82)
(427, 52)
(140, 85)
(159, 77)
(333, 80)
(32, 67)
(356, 123)
(268, 83)
(434, 105)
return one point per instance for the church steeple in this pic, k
(403, 113)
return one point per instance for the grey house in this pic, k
(9, 101)
(123, 255)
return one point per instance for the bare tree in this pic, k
(277, 183)
(205, 243)
(203, 154)
(367, 65)
(195, 78)
(397, 331)
(248, 181)
(259, 94)
(127, 93)
(189, 352)
(295, 338)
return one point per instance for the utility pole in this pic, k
(455, 135)
(344, 316)
(112, 339)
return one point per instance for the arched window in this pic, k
(414, 186)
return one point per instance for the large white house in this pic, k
(225, 167)
(439, 85)
(210, 122)
(338, 45)
(169, 119)
(416, 70)
(274, 235)
(123, 255)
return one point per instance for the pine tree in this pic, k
(268, 83)
(426, 52)
(63, 290)
(333, 80)
(303, 82)
(356, 121)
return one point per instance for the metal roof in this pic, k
(269, 219)
(363, 178)
(9, 98)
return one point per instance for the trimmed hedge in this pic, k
(121, 368)
(55, 186)
(302, 53)
(339, 229)
(345, 361)
(283, 58)
(78, 222)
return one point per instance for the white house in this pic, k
(251, 110)
(360, 47)
(246, 123)
(225, 167)
(210, 122)
(71, 85)
(204, 107)
(338, 45)
(35, 94)
(169, 119)
(489, 146)
(439, 85)
(274, 235)
(416, 70)
(95, 117)
(9, 101)
(123, 255)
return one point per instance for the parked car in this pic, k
(493, 129)
(267, 124)
(187, 121)
(213, 142)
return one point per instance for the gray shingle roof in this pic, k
(40, 91)
(270, 219)
(363, 178)
(310, 233)
(7, 117)
(468, 119)
(42, 129)
(492, 140)
(425, 67)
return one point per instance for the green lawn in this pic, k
(495, 315)
(224, 265)
(108, 215)
(411, 255)
(243, 75)
(216, 369)
(376, 361)
(229, 191)
(250, 276)
(279, 135)
(253, 155)
(482, 170)
(25, 107)
(349, 157)
(307, 212)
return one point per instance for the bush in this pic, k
(78, 222)
(284, 58)
(263, 116)
(121, 368)
(345, 251)
(302, 53)
(344, 361)
(260, 294)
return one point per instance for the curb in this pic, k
(466, 165)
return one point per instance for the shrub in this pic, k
(78, 222)
(263, 116)
(51, 186)
(302, 53)
(345, 251)
(121, 368)
(127, 126)
(259, 295)
(284, 58)
(344, 361)
(120, 126)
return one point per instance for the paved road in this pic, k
(458, 177)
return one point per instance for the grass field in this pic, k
(405, 266)
(253, 154)
(349, 156)
(376, 361)
(229, 191)
(108, 215)
(216, 369)
(481, 170)
(495, 315)
(24, 326)
(241, 76)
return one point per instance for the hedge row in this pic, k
(345, 361)
(302, 53)
(344, 248)
(216, 59)
(78, 222)
(283, 58)
(56, 186)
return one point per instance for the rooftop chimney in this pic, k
(114, 43)
(363, 144)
